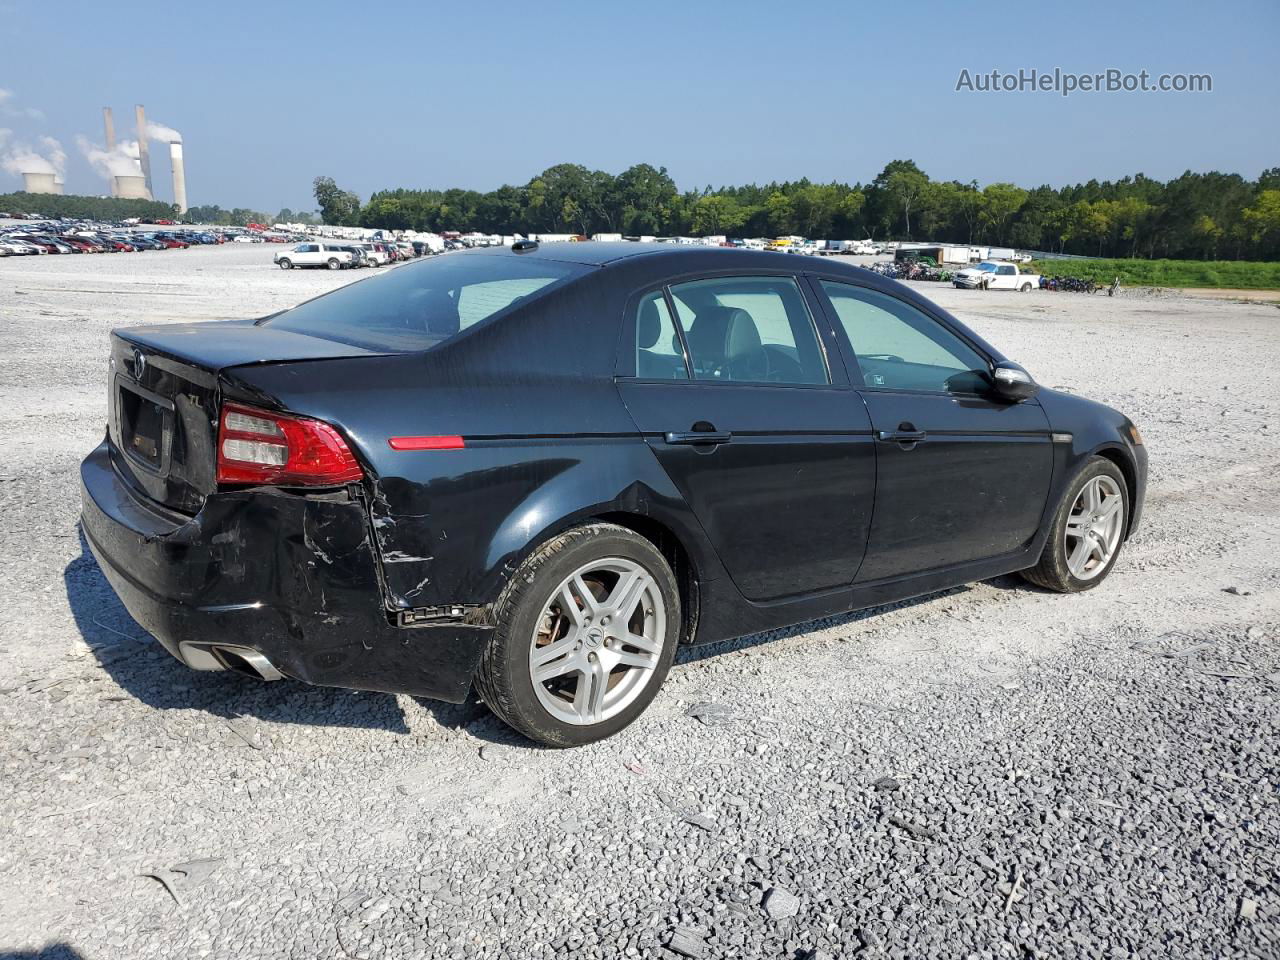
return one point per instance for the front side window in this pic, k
(899, 347)
(749, 329)
(1006, 271)
(421, 305)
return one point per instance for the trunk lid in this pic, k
(164, 394)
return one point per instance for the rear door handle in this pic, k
(700, 436)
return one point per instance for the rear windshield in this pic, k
(420, 305)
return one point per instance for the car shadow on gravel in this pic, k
(144, 670)
(693, 654)
(50, 951)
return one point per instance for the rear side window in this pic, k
(420, 305)
(659, 353)
(749, 329)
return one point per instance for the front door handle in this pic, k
(700, 436)
(906, 434)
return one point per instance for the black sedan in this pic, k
(539, 469)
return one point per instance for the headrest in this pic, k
(707, 334)
(648, 325)
(727, 339)
(744, 353)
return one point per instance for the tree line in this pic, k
(243, 216)
(1195, 216)
(115, 208)
(56, 205)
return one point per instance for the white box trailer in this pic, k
(939, 252)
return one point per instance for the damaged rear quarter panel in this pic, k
(459, 537)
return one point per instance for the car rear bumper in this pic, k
(290, 578)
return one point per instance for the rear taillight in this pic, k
(261, 447)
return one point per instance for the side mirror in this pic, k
(1010, 382)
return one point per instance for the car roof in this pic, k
(684, 258)
(599, 254)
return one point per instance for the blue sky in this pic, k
(269, 95)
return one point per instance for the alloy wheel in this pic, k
(597, 641)
(1094, 527)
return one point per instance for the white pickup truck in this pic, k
(315, 254)
(996, 275)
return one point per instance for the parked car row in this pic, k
(344, 255)
(48, 238)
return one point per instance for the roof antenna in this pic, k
(524, 246)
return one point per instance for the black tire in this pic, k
(286, 264)
(1052, 571)
(334, 263)
(1025, 288)
(503, 679)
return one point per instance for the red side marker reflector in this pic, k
(426, 443)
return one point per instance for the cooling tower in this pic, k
(40, 183)
(132, 187)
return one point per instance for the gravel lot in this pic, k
(990, 772)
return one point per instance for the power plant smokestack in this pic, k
(179, 177)
(131, 187)
(109, 123)
(143, 157)
(41, 183)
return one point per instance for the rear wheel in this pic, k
(586, 632)
(286, 264)
(334, 264)
(1025, 288)
(1087, 532)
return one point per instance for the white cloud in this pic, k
(7, 108)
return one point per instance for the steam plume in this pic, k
(158, 131)
(22, 158)
(57, 156)
(120, 162)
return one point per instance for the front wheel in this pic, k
(586, 632)
(1087, 531)
(286, 265)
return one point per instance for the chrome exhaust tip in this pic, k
(245, 660)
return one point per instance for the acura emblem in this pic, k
(139, 364)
